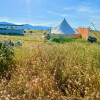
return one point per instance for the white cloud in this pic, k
(87, 9)
(68, 8)
(58, 14)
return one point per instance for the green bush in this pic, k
(6, 53)
(48, 37)
(92, 39)
(62, 40)
(56, 40)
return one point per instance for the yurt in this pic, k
(64, 29)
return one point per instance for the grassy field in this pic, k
(51, 71)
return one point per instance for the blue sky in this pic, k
(51, 12)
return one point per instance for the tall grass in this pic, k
(54, 71)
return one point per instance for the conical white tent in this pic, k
(63, 28)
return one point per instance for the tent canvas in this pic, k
(63, 28)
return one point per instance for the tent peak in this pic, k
(64, 19)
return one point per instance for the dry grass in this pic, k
(95, 34)
(42, 71)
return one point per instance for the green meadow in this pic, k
(44, 70)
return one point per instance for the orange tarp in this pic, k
(84, 32)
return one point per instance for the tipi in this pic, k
(63, 28)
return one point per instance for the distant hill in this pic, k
(28, 26)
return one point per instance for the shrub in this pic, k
(92, 39)
(48, 37)
(56, 40)
(6, 53)
(62, 40)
